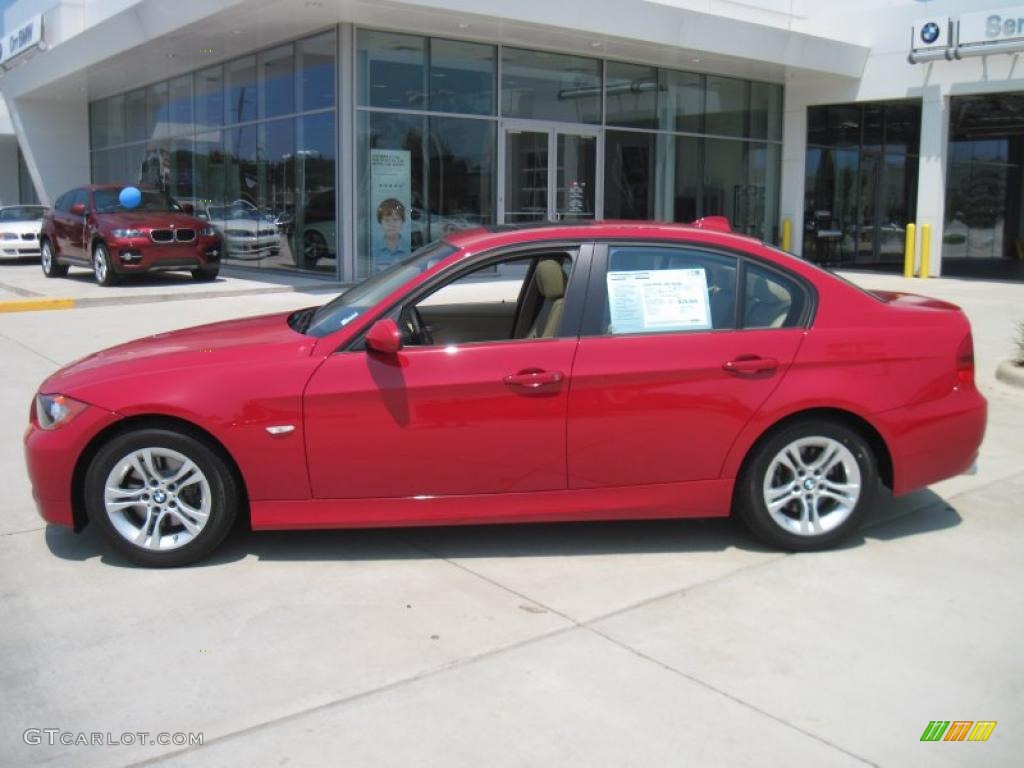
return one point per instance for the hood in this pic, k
(151, 220)
(231, 343)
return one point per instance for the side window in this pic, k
(79, 196)
(771, 300)
(652, 289)
(64, 202)
(521, 298)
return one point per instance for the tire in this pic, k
(48, 261)
(102, 267)
(784, 488)
(314, 248)
(205, 274)
(149, 518)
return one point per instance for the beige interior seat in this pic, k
(550, 282)
(767, 304)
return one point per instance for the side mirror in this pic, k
(188, 208)
(78, 209)
(384, 336)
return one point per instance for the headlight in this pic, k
(9, 235)
(129, 233)
(53, 411)
(207, 232)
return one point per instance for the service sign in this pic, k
(992, 26)
(931, 33)
(27, 36)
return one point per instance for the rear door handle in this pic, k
(748, 365)
(534, 379)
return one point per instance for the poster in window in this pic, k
(658, 300)
(390, 215)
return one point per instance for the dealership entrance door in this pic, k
(549, 172)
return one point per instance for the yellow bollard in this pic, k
(908, 250)
(787, 234)
(926, 246)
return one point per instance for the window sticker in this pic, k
(658, 300)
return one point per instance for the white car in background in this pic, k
(247, 232)
(20, 226)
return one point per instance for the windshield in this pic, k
(22, 213)
(356, 300)
(107, 201)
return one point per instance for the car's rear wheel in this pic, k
(205, 274)
(160, 497)
(48, 261)
(102, 268)
(314, 248)
(808, 486)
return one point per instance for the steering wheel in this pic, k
(418, 331)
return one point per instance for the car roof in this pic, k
(509, 234)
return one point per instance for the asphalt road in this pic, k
(605, 644)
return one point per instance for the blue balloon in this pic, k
(130, 197)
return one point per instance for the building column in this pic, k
(931, 171)
(794, 159)
(54, 136)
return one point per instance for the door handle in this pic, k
(534, 379)
(747, 365)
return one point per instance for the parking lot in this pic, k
(591, 644)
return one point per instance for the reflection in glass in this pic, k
(725, 106)
(766, 111)
(246, 236)
(630, 169)
(312, 234)
(209, 89)
(460, 176)
(526, 176)
(135, 114)
(688, 191)
(575, 177)
(240, 90)
(181, 106)
(632, 95)
(681, 107)
(277, 81)
(392, 70)
(316, 70)
(462, 77)
(550, 86)
(157, 112)
(181, 176)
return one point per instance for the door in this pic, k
(674, 362)
(459, 409)
(549, 173)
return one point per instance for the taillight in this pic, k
(965, 361)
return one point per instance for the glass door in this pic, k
(549, 174)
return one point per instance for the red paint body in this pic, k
(639, 426)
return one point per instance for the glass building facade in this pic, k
(446, 134)
(861, 182)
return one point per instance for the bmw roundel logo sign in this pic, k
(929, 33)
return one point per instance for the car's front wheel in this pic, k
(205, 274)
(161, 497)
(48, 261)
(314, 248)
(807, 486)
(102, 268)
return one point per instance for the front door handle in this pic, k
(534, 379)
(748, 365)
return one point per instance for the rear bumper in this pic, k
(51, 455)
(934, 440)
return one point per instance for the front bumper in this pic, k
(51, 457)
(143, 255)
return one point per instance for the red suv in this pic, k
(88, 227)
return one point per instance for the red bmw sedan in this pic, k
(585, 372)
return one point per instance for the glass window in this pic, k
(208, 172)
(240, 93)
(550, 86)
(515, 299)
(392, 70)
(135, 114)
(238, 216)
(681, 106)
(688, 191)
(770, 300)
(115, 120)
(155, 170)
(277, 81)
(758, 211)
(726, 106)
(181, 106)
(391, 187)
(158, 111)
(462, 77)
(462, 178)
(903, 128)
(834, 126)
(26, 187)
(313, 235)
(209, 86)
(181, 177)
(725, 174)
(100, 174)
(652, 289)
(316, 71)
(632, 95)
(630, 169)
(98, 125)
(766, 111)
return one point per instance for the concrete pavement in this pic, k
(661, 643)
